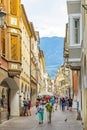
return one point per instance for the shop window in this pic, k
(3, 100)
(25, 88)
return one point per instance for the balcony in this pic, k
(73, 6)
(75, 33)
(75, 57)
(14, 68)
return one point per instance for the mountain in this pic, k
(53, 52)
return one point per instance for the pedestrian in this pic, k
(56, 103)
(67, 103)
(49, 108)
(37, 104)
(59, 103)
(40, 110)
(63, 103)
(29, 107)
(52, 102)
(70, 103)
(47, 98)
(25, 107)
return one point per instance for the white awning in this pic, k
(45, 93)
(61, 79)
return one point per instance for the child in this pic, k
(40, 110)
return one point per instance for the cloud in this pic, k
(48, 16)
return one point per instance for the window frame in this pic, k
(71, 28)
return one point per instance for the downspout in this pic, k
(30, 71)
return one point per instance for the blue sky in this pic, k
(48, 16)
(53, 52)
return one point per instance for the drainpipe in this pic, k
(30, 71)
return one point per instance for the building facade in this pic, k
(10, 60)
(20, 60)
(33, 65)
(24, 89)
(78, 51)
(75, 44)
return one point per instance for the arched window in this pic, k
(25, 88)
(22, 88)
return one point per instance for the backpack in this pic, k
(25, 103)
(70, 101)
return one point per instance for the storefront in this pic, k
(8, 97)
(4, 110)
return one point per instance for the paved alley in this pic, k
(31, 122)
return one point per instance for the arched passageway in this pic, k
(9, 98)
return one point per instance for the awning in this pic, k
(61, 79)
(45, 93)
(10, 83)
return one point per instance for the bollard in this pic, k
(77, 106)
(8, 115)
(79, 115)
(78, 112)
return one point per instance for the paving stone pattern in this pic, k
(31, 122)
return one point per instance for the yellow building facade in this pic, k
(33, 66)
(24, 90)
(10, 59)
(42, 70)
(21, 62)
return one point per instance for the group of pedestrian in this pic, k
(62, 103)
(66, 102)
(41, 104)
(26, 107)
(50, 103)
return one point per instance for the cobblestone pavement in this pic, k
(31, 122)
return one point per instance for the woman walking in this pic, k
(29, 107)
(40, 110)
(49, 108)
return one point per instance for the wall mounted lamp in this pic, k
(2, 18)
(85, 7)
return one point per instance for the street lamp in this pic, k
(2, 18)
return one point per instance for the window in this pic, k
(3, 99)
(3, 42)
(13, 7)
(14, 47)
(2, 2)
(32, 46)
(76, 31)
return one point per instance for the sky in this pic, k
(49, 17)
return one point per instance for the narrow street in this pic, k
(31, 122)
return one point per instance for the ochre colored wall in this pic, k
(75, 82)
